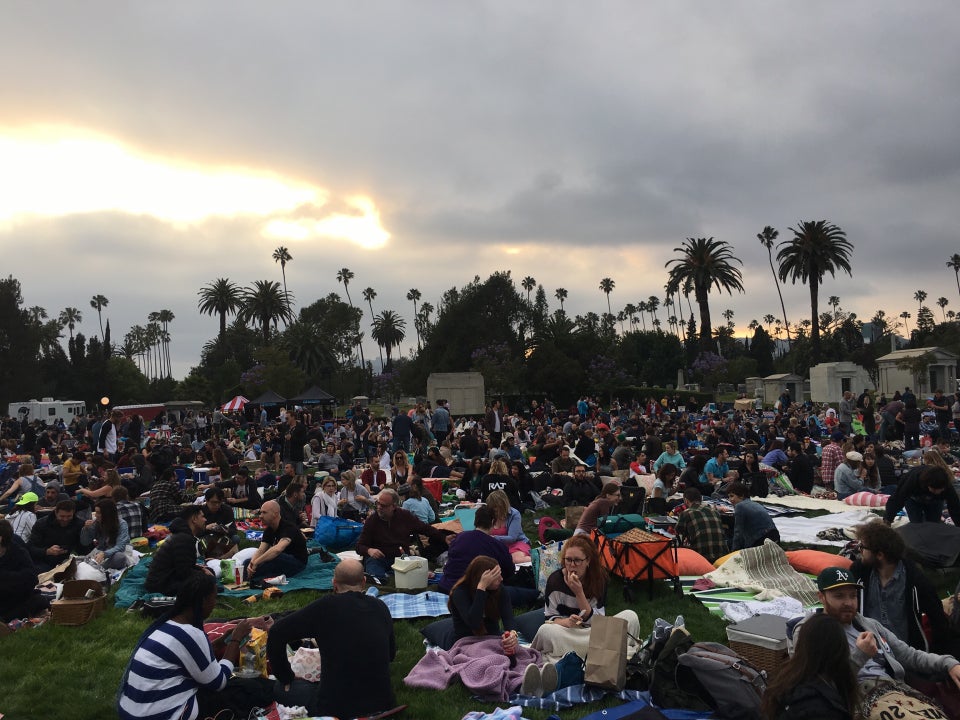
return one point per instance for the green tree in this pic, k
(389, 330)
(336, 324)
(705, 263)
(345, 275)
(283, 256)
(767, 237)
(653, 303)
(98, 303)
(221, 298)
(817, 247)
(943, 302)
(266, 304)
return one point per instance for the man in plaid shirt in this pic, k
(129, 511)
(700, 527)
(831, 458)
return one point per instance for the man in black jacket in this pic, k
(896, 593)
(178, 554)
(922, 493)
(56, 536)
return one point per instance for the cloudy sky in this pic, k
(147, 149)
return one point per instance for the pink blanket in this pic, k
(480, 664)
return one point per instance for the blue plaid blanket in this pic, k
(577, 694)
(402, 605)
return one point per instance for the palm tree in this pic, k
(954, 263)
(817, 247)
(905, 315)
(943, 302)
(413, 295)
(345, 275)
(834, 302)
(306, 348)
(166, 317)
(528, 284)
(728, 316)
(630, 309)
(768, 319)
(653, 302)
(920, 296)
(767, 237)
(221, 297)
(98, 303)
(283, 256)
(70, 317)
(561, 294)
(389, 332)
(369, 294)
(265, 303)
(642, 307)
(606, 286)
(705, 262)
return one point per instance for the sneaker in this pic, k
(532, 684)
(548, 678)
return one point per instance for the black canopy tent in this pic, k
(314, 396)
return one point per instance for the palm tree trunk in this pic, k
(957, 274)
(706, 332)
(782, 306)
(223, 324)
(815, 320)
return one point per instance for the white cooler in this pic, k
(410, 573)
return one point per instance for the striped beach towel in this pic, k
(766, 571)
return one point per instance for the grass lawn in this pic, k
(74, 672)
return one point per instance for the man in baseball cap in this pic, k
(877, 655)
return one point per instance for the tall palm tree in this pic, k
(817, 247)
(954, 264)
(943, 302)
(642, 308)
(561, 294)
(706, 263)
(528, 284)
(653, 302)
(166, 317)
(631, 310)
(265, 303)
(606, 287)
(767, 237)
(920, 296)
(220, 298)
(728, 316)
(413, 295)
(283, 256)
(768, 319)
(905, 315)
(389, 331)
(369, 294)
(70, 317)
(98, 303)
(345, 275)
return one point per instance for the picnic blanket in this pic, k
(766, 571)
(805, 502)
(480, 664)
(403, 606)
(318, 575)
(579, 694)
(804, 529)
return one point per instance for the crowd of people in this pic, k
(296, 467)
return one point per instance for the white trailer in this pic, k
(47, 410)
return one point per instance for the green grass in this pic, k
(74, 672)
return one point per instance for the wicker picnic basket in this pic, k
(74, 607)
(762, 640)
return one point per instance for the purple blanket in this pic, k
(480, 664)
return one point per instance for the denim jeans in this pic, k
(378, 567)
(282, 564)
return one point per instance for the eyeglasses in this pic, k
(574, 561)
(384, 507)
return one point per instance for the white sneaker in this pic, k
(548, 678)
(532, 683)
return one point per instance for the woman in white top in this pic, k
(325, 501)
(353, 495)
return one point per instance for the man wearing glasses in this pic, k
(388, 533)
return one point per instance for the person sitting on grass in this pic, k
(18, 578)
(700, 528)
(165, 497)
(354, 633)
(178, 555)
(24, 516)
(417, 503)
(173, 672)
(479, 605)
(109, 534)
(283, 550)
(508, 526)
(604, 505)
(56, 536)
(752, 524)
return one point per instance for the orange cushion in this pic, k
(690, 562)
(816, 561)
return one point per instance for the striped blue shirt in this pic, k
(167, 669)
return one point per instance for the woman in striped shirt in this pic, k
(173, 673)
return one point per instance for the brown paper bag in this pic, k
(607, 653)
(571, 516)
